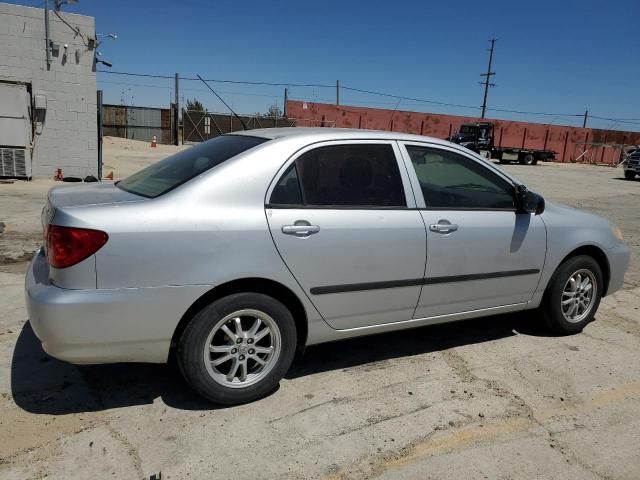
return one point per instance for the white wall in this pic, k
(68, 138)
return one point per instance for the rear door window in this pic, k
(173, 171)
(351, 175)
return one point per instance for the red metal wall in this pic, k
(567, 142)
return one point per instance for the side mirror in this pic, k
(527, 201)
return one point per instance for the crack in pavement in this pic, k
(131, 449)
(371, 421)
(611, 343)
(471, 432)
(333, 401)
(526, 410)
(459, 365)
(628, 326)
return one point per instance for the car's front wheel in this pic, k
(573, 295)
(237, 348)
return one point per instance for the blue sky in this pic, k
(551, 56)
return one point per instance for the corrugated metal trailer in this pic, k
(571, 143)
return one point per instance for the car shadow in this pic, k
(43, 385)
(417, 341)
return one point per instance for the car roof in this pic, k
(319, 134)
(326, 133)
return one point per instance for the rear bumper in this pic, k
(104, 326)
(619, 257)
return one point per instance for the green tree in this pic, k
(195, 105)
(274, 111)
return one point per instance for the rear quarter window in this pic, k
(173, 171)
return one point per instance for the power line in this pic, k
(422, 100)
(400, 97)
(270, 84)
(630, 121)
(537, 113)
(243, 82)
(132, 74)
(127, 84)
(619, 119)
(73, 28)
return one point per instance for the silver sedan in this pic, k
(233, 254)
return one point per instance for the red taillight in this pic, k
(67, 246)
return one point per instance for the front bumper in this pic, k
(104, 325)
(618, 257)
(632, 166)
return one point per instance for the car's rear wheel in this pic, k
(237, 348)
(573, 295)
(629, 175)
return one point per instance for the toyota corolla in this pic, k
(233, 254)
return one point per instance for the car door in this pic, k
(481, 254)
(343, 218)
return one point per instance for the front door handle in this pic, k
(443, 226)
(300, 228)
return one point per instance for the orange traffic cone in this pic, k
(109, 176)
(154, 141)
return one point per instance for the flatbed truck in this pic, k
(479, 137)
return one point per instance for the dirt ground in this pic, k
(490, 398)
(21, 202)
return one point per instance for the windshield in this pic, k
(468, 129)
(177, 169)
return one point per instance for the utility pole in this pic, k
(487, 82)
(286, 99)
(337, 92)
(584, 122)
(100, 131)
(176, 127)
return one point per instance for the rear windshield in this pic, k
(177, 169)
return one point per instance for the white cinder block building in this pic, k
(47, 107)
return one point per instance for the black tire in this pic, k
(552, 302)
(191, 358)
(528, 159)
(629, 175)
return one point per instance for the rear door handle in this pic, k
(301, 228)
(442, 227)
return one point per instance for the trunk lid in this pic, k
(70, 196)
(64, 208)
(91, 194)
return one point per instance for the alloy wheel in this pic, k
(242, 348)
(579, 295)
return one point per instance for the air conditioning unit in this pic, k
(15, 162)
